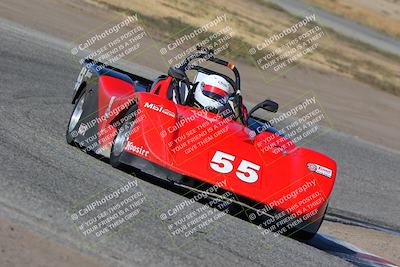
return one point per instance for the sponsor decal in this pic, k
(320, 169)
(136, 149)
(160, 109)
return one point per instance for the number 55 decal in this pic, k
(247, 171)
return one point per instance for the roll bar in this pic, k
(208, 54)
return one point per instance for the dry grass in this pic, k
(382, 15)
(255, 20)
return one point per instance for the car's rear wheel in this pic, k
(76, 115)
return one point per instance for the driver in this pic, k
(212, 94)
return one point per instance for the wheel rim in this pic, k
(122, 138)
(76, 115)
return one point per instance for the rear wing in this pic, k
(91, 67)
(100, 68)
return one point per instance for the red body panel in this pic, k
(187, 140)
(169, 138)
(114, 95)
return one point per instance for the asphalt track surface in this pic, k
(342, 25)
(42, 177)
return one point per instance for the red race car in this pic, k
(197, 131)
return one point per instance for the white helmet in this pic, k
(213, 92)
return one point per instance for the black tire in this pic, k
(76, 114)
(307, 235)
(120, 141)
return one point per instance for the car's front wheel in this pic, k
(76, 115)
(120, 142)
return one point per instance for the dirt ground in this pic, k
(20, 247)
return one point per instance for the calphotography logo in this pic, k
(284, 49)
(110, 43)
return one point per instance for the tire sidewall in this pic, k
(69, 137)
(115, 159)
